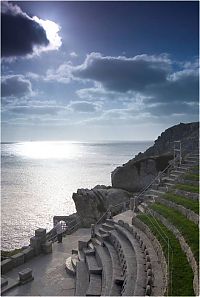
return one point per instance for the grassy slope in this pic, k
(188, 188)
(187, 203)
(182, 275)
(191, 176)
(187, 228)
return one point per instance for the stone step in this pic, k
(150, 195)
(89, 252)
(139, 265)
(157, 192)
(8, 284)
(110, 222)
(94, 288)
(82, 279)
(174, 175)
(102, 231)
(128, 261)
(181, 169)
(141, 208)
(168, 179)
(107, 227)
(115, 289)
(186, 166)
(196, 158)
(169, 184)
(92, 265)
(104, 261)
(178, 172)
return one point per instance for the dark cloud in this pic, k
(124, 74)
(182, 86)
(15, 86)
(83, 106)
(19, 33)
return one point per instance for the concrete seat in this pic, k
(94, 288)
(82, 279)
(92, 265)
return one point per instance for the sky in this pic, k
(88, 71)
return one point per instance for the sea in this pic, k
(38, 179)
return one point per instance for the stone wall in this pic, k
(157, 247)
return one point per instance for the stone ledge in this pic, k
(18, 259)
(6, 265)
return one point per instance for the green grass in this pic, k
(188, 229)
(182, 275)
(188, 188)
(191, 176)
(188, 203)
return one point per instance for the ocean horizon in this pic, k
(38, 179)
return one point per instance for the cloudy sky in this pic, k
(91, 71)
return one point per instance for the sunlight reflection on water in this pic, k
(49, 150)
(38, 179)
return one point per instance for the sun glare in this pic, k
(49, 150)
(52, 29)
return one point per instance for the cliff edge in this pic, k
(139, 172)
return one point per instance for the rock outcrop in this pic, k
(92, 204)
(140, 171)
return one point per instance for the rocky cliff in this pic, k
(139, 172)
(92, 204)
(134, 175)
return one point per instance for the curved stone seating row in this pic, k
(144, 278)
(134, 259)
(88, 272)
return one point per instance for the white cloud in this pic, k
(73, 55)
(84, 106)
(52, 32)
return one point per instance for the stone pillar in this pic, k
(92, 231)
(41, 234)
(37, 240)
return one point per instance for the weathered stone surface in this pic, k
(18, 259)
(41, 233)
(28, 253)
(157, 247)
(92, 204)
(25, 276)
(47, 247)
(35, 243)
(6, 265)
(4, 282)
(140, 171)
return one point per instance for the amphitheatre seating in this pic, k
(121, 266)
(132, 258)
